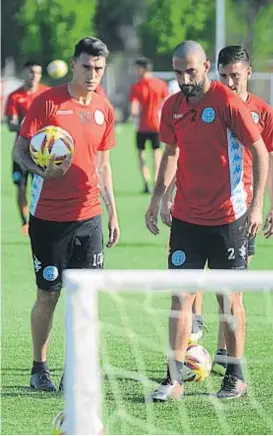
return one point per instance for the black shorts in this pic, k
(19, 176)
(251, 245)
(142, 137)
(222, 247)
(57, 246)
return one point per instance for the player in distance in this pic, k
(18, 104)
(65, 214)
(215, 207)
(147, 96)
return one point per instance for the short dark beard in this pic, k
(192, 90)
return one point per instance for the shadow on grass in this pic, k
(26, 370)
(26, 391)
(17, 243)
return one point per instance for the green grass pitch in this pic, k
(133, 330)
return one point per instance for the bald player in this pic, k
(214, 208)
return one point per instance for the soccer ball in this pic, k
(58, 425)
(50, 140)
(57, 69)
(197, 364)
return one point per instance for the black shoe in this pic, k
(147, 189)
(232, 387)
(61, 385)
(41, 381)
(219, 364)
(197, 329)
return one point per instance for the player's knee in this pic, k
(183, 301)
(47, 299)
(237, 302)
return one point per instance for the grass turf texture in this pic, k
(134, 336)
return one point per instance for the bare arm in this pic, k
(260, 175)
(166, 173)
(166, 176)
(268, 224)
(270, 179)
(260, 171)
(22, 157)
(13, 124)
(135, 108)
(106, 187)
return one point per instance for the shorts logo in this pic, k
(178, 258)
(208, 115)
(50, 273)
(37, 264)
(99, 117)
(243, 251)
(255, 117)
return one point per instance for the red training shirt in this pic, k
(19, 101)
(262, 114)
(150, 93)
(214, 173)
(75, 196)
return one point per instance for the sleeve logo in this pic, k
(208, 115)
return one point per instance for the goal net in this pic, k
(117, 346)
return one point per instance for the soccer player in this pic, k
(235, 71)
(147, 96)
(18, 103)
(65, 213)
(215, 207)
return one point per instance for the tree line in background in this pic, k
(48, 29)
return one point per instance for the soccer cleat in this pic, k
(167, 390)
(61, 385)
(219, 364)
(231, 387)
(197, 329)
(41, 381)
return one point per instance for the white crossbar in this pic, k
(162, 280)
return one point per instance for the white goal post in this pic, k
(82, 370)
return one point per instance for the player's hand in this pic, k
(166, 211)
(255, 220)
(114, 231)
(268, 224)
(151, 218)
(54, 171)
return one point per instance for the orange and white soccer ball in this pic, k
(58, 425)
(57, 69)
(197, 363)
(49, 141)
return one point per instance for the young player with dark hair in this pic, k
(65, 215)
